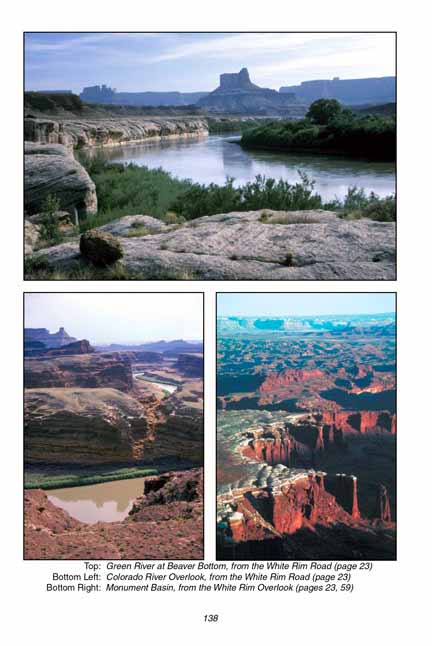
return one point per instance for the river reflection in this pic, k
(213, 158)
(108, 501)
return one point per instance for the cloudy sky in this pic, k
(118, 318)
(192, 62)
(304, 304)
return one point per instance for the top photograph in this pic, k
(210, 156)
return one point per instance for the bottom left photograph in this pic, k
(113, 425)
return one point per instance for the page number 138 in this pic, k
(211, 618)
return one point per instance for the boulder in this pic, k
(100, 247)
(312, 245)
(50, 169)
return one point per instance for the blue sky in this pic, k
(303, 304)
(193, 62)
(121, 318)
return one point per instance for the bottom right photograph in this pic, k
(306, 426)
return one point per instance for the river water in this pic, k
(169, 388)
(108, 501)
(213, 158)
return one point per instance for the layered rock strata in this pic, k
(80, 425)
(190, 365)
(79, 133)
(85, 371)
(51, 170)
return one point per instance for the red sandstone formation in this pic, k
(383, 512)
(284, 509)
(279, 381)
(363, 422)
(170, 528)
(346, 494)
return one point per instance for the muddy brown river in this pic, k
(108, 501)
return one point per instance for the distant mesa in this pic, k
(174, 347)
(236, 93)
(347, 91)
(107, 95)
(54, 340)
(39, 342)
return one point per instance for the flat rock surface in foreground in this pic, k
(255, 245)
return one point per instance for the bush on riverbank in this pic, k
(262, 193)
(133, 190)
(329, 128)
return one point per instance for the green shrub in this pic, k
(262, 193)
(49, 227)
(131, 190)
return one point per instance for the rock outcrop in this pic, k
(382, 511)
(51, 170)
(116, 131)
(38, 349)
(45, 131)
(77, 347)
(236, 93)
(104, 370)
(345, 423)
(80, 425)
(190, 365)
(174, 486)
(245, 246)
(295, 511)
(32, 235)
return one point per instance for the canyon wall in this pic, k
(85, 371)
(190, 365)
(80, 425)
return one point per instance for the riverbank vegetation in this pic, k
(41, 480)
(133, 190)
(222, 125)
(329, 128)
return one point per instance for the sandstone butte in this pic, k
(166, 522)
